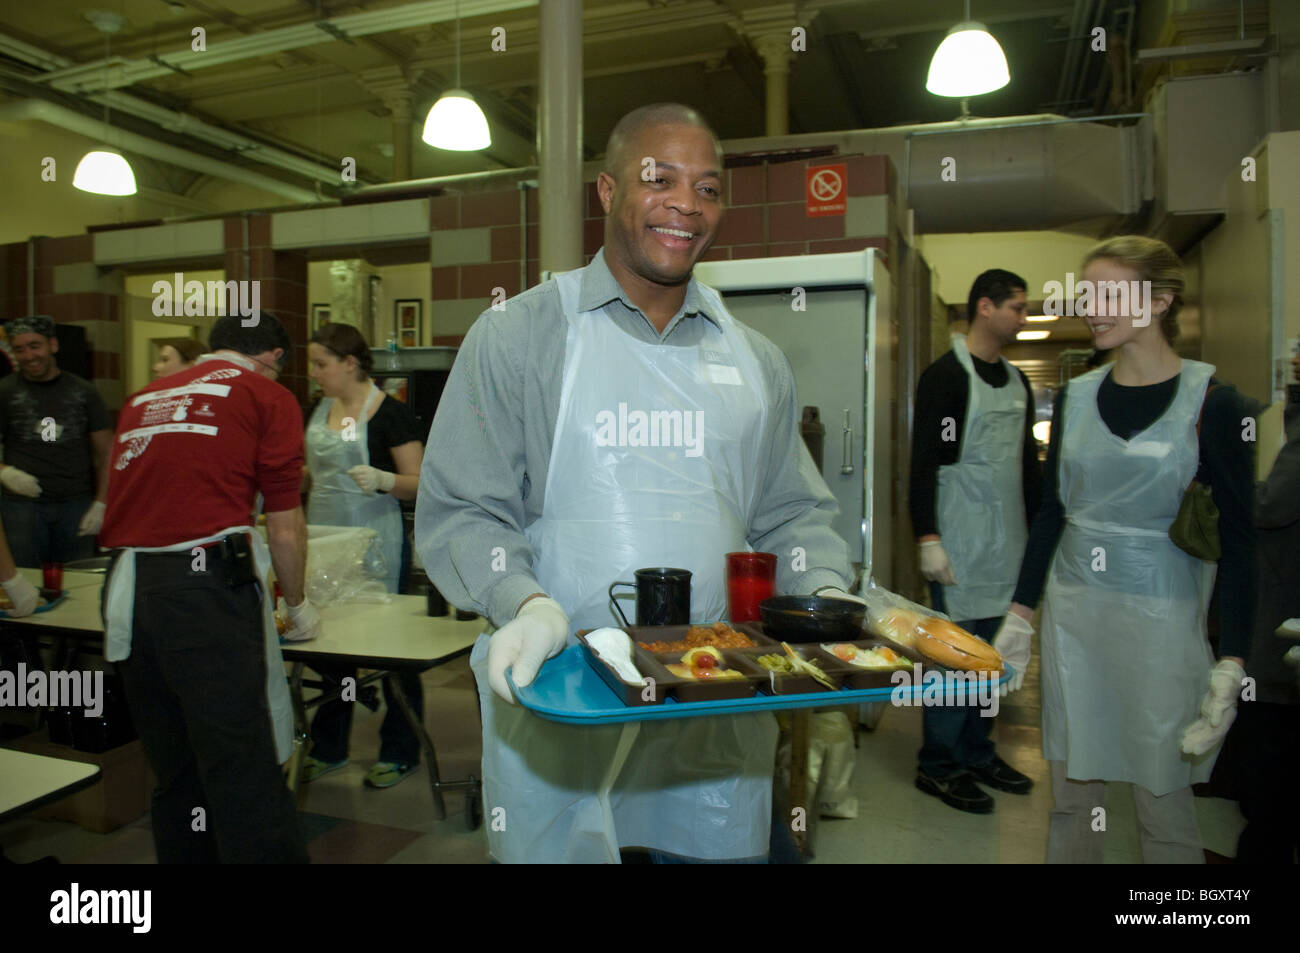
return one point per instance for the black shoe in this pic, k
(998, 774)
(959, 791)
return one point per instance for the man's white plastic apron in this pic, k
(119, 620)
(695, 787)
(335, 498)
(981, 503)
(1125, 654)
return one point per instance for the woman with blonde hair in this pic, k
(1130, 689)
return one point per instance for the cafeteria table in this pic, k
(389, 637)
(28, 781)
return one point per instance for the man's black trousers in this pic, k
(196, 685)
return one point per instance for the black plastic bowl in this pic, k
(811, 619)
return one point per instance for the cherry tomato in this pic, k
(706, 661)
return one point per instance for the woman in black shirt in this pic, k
(1126, 661)
(363, 454)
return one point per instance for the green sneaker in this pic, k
(313, 768)
(385, 774)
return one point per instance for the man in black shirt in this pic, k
(57, 437)
(974, 488)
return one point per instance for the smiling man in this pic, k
(614, 418)
(57, 437)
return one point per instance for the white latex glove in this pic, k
(934, 563)
(1218, 708)
(22, 594)
(93, 521)
(834, 593)
(20, 482)
(536, 633)
(1014, 643)
(306, 622)
(371, 479)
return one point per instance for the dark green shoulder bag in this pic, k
(1195, 530)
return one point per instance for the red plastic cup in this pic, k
(751, 578)
(52, 576)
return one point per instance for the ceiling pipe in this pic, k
(169, 119)
(96, 129)
(70, 75)
(442, 181)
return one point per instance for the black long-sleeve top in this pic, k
(943, 391)
(1226, 464)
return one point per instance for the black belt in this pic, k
(233, 556)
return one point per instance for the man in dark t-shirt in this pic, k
(57, 436)
(974, 489)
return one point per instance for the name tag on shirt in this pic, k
(720, 368)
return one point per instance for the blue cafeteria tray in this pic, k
(568, 690)
(63, 594)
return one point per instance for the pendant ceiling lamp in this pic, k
(969, 62)
(455, 121)
(104, 170)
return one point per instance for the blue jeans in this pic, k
(42, 533)
(956, 737)
(333, 722)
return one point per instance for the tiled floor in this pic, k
(347, 823)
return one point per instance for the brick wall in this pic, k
(71, 290)
(479, 240)
(283, 288)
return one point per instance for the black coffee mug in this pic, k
(663, 596)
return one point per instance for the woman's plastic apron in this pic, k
(336, 500)
(1125, 655)
(981, 503)
(633, 482)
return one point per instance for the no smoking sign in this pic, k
(825, 189)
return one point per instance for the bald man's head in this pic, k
(621, 149)
(662, 193)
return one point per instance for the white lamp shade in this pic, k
(456, 122)
(968, 62)
(104, 173)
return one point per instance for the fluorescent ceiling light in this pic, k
(969, 62)
(1032, 335)
(456, 122)
(1041, 317)
(104, 172)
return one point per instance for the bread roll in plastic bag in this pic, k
(933, 634)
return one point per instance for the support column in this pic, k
(769, 29)
(774, 48)
(393, 85)
(400, 104)
(559, 135)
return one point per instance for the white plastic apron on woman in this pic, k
(981, 502)
(1125, 655)
(119, 620)
(335, 498)
(655, 462)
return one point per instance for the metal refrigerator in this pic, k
(839, 347)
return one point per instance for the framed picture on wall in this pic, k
(320, 316)
(409, 320)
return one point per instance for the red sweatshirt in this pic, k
(192, 451)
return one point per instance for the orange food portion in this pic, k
(719, 635)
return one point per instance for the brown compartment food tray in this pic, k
(652, 665)
(856, 677)
(777, 684)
